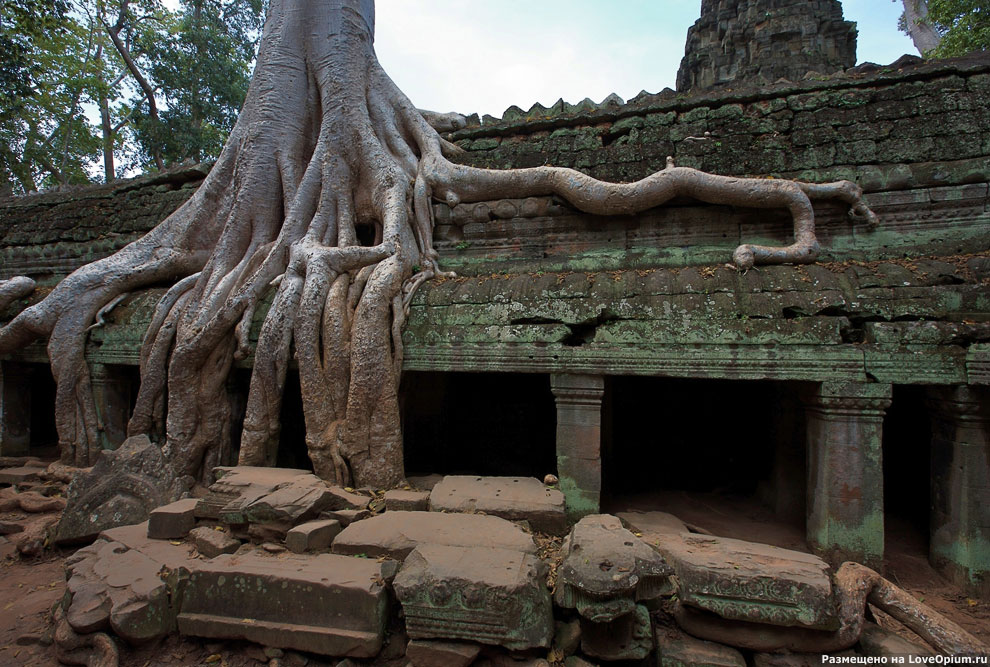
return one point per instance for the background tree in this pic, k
(945, 28)
(963, 24)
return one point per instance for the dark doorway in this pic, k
(907, 442)
(479, 423)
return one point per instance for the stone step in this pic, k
(512, 498)
(395, 534)
(327, 604)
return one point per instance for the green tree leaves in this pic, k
(963, 24)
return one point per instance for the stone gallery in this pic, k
(412, 396)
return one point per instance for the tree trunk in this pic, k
(325, 142)
(924, 36)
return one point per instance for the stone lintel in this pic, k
(845, 471)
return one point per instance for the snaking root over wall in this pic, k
(325, 144)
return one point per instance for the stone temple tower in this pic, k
(738, 42)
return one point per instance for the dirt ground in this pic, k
(30, 587)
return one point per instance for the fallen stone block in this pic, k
(513, 498)
(567, 636)
(690, 652)
(19, 475)
(10, 527)
(407, 500)
(741, 580)
(312, 536)
(605, 570)
(346, 517)
(122, 489)
(326, 604)
(431, 653)
(425, 482)
(628, 637)
(483, 594)
(173, 521)
(212, 543)
(126, 581)
(396, 534)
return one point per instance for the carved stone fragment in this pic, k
(606, 570)
(327, 604)
(690, 652)
(488, 595)
(121, 489)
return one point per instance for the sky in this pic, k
(482, 56)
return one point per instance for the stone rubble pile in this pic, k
(281, 559)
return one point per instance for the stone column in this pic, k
(845, 471)
(111, 394)
(579, 437)
(960, 519)
(15, 409)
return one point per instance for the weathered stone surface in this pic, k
(312, 536)
(875, 641)
(19, 475)
(513, 498)
(407, 500)
(396, 534)
(126, 581)
(346, 517)
(428, 653)
(425, 482)
(759, 41)
(576, 661)
(742, 580)
(122, 489)
(567, 636)
(327, 604)
(277, 496)
(211, 542)
(173, 521)
(690, 652)
(606, 570)
(629, 637)
(10, 527)
(483, 594)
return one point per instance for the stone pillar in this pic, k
(960, 518)
(15, 409)
(112, 396)
(845, 471)
(579, 437)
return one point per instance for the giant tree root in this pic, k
(93, 650)
(855, 585)
(323, 193)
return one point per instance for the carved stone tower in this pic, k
(760, 41)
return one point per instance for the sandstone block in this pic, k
(482, 594)
(346, 517)
(628, 637)
(19, 475)
(407, 500)
(741, 580)
(120, 490)
(690, 652)
(126, 581)
(211, 543)
(396, 534)
(606, 570)
(513, 498)
(312, 536)
(326, 604)
(426, 653)
(173, 521)
(272, 496)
